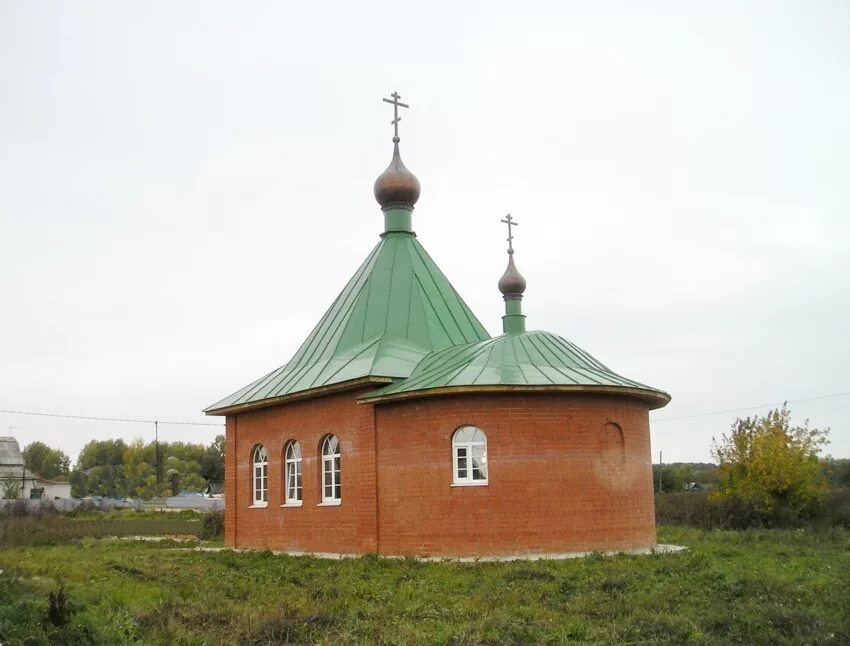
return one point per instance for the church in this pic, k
(401, 427)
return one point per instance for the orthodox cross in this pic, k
(396, 104)
(510, 222)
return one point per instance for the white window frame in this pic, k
(292, 473)
(463, 449)
(259, 477)
(331, 463)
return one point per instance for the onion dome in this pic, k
(396, 186)
(512, 283)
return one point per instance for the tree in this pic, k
(46, 462)
(101, 454)
(769, 466)
(837, 471)
(117, 469)
(79, 486)
(673, 477)
(212, 463)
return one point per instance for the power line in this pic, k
(748, 408)
(109, 419)
(655, 421)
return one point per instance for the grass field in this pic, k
(757, 586)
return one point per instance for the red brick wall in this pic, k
(566, 473)
(350, 527)
(560, 480)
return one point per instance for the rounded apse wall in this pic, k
(564, 473)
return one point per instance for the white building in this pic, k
(12, 469)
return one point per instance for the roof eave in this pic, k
(299, 396)
(655, 398)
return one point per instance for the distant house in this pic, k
(12, 469)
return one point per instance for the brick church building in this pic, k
(401, 427)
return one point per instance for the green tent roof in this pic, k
(397, 308)
(527, 360)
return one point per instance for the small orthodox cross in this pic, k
(396, 105)
(510, 222)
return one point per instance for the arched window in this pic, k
(331, 486)
(469, 451)
(260, 461)
(292, 473)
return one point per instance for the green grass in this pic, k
(757, 586)
(56, 530)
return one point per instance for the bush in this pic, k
(836, 508)
(10, 490)
(768, 470)
(687, 508)
(58, 609)
(212, 526)
(701, 510)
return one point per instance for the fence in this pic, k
(175, 503)
(62, 505)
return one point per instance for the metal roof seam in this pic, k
(240, 393)
(368, 347)
(454, 373)
(351, 290)
(258, 385)
(290, 376)
(432, 275)
(389, 309)
(528, 338)
(424, 375)
(443, 362)
(545, 338)
(305, 366)
(582, 353)
(429, 304)
(490, 347)
(470, 317)
(343, 313)
(367, 285)
(466, 353)
(263, 383)
(577, 357)
(410, 307)
(513, 340)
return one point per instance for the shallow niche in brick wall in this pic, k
(611, 459)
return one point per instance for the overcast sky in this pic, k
(185, 187)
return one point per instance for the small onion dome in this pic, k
(512, 283)
(396, 185)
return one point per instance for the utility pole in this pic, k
(156, 432)
(660, 469)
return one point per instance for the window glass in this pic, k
(331, 469)
(260, 463)
(293, 472)
(469, 453)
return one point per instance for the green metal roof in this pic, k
(527, 361)
(397, 308)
